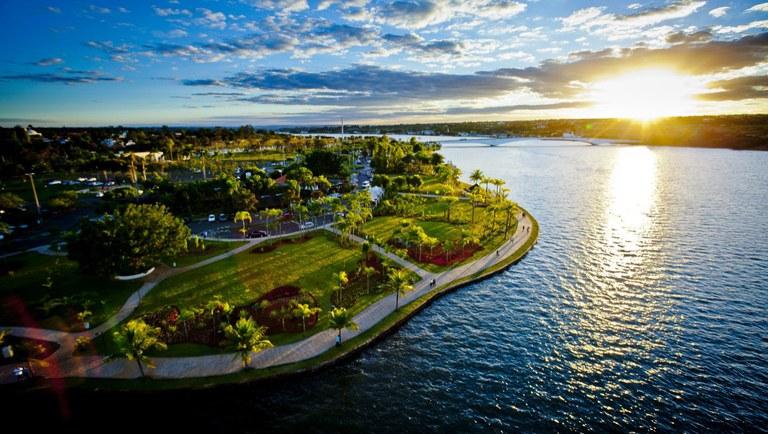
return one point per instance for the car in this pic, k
(307, 225)
(222, 217)
(99, 194)
(257, 234)
(366, 184)
(54, 182)
(211, 217)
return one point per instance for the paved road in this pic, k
(62, 364)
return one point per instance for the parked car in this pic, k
(222, 217)
(257, 234)
(366, 184)
(54, 182)
(307, 225)
(211, 217)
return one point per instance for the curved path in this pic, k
(62, 364)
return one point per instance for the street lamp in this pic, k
(34, 193)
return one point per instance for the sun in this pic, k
(644, 95)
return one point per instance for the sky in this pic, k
(301, 62)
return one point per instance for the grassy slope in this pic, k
(212, 248)
(27, 282)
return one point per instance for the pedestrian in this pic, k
(497, 253)
(338, 340)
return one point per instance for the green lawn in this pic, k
(195, 254)
(30, 283)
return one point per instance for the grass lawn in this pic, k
(32, 283)
(243, 278)
(212, 248)
(431, 219)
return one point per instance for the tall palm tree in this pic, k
(303, 311)
(366, 249)
(243, 216)
(341, 319)
(399, 282)
(477, 176)
(341, 279)
(368, 271)
(284, 311)
(246, 337)
(135, 338)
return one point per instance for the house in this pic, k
(151, 156)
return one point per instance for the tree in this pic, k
(341, 319)
(246, 337)
(63, 201)
(368, 271)
(400, 282)
(365, 248)
(215, 307)
(449, 201)
(269, 214)
(135, 338)
(10, 201)
(477, 176)
(131, 240)
(303, 311)
(341, 280)
(283, 312)
(243, 216)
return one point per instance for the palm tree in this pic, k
(475, 198)
(246, 337)
(477, 176)
(399, 282)
(498, 183)
(135, 338)
(284, 311)
(243, 216)
(365, 248)
(303, 311)
(186, 315)
(341, 279)
(215, 307)
(341, 319)
(449, 202)
(368, 271)
(3, 334)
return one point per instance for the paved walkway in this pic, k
(62, 364)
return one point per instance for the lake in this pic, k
(643, 306)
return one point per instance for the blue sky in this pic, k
(269, 62)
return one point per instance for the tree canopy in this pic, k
(129, 241)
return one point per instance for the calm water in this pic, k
(644, 306)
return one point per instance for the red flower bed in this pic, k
(437, 255)
(279, 297)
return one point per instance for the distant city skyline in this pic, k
(297, 62)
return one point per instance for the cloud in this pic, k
(108, 47)
(689, 38)
(343, 4)
(49, 61)
(202, 82)
(614, 26)
(53, 10)
(737, 89)
(719, 12)
(99, 9)
(169, 12)
(285, 6)
(214, 20)
(567, 79)
(65, 77)
(416, 14)
(760, 7)
(360, 84)
(742, 28)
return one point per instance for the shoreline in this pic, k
(351, 347)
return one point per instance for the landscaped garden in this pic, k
(288, 285)
(439, 233)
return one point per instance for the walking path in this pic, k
(62, 364)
